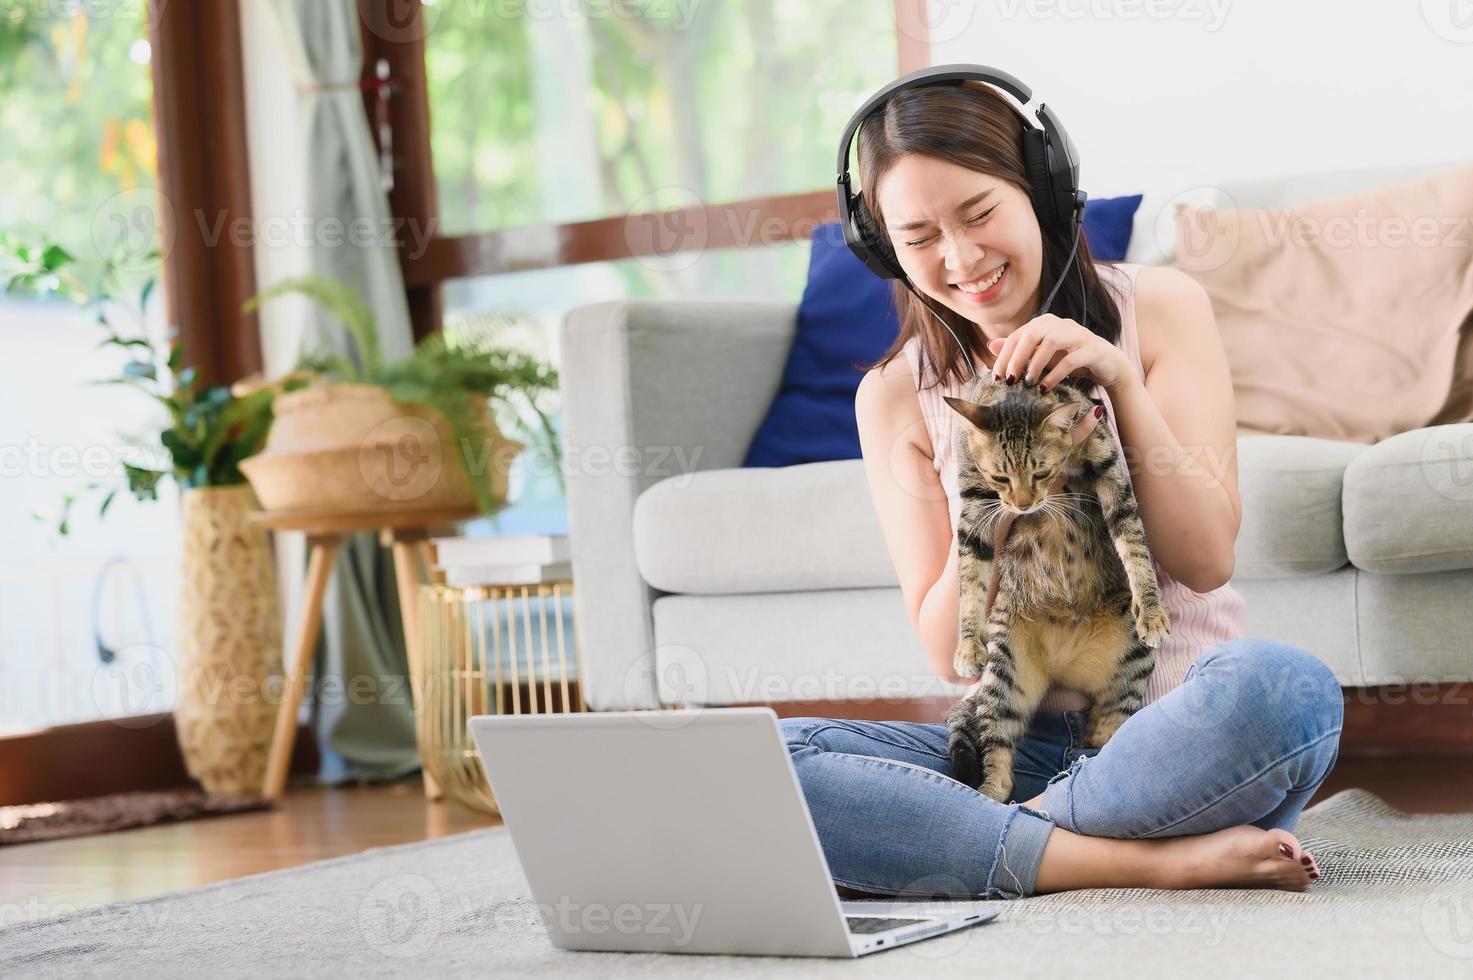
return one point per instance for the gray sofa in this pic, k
(700, 582)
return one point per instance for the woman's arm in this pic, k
(940, 619)
(1179, 430)
(911, 505)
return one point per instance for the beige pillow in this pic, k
(1343, 319)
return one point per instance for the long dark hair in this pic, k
(972, 126)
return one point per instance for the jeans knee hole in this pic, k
(1073, 768)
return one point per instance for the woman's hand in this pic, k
(1048, 348)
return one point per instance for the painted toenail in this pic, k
(1305, 859)
(1286, 850)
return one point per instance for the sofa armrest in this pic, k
(650, 390)
(1407, 502)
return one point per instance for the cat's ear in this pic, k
(980, 416)
(1064, 417)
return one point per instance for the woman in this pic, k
(1201, 786)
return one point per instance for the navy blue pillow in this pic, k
(847, 318)
(1107, 226)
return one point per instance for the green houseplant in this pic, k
(350, 440)
(229, 641)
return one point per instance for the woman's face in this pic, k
(946, 236)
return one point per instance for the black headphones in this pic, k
(1049, 157)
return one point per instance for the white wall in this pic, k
(1231, 89)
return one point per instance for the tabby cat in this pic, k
(1077, 600)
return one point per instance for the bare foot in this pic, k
(1238, 857)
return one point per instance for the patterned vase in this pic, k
(229, 642)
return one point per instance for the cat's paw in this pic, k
(1151, 624)
(969, 659)
(998, 786)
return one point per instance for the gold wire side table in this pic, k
(490, 649)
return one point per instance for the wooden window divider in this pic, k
(755, 222)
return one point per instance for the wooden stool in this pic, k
(406, 533)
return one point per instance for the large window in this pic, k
(86, 620)
(561, 112)
(554, 113)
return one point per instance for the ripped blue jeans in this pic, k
(1246, 738)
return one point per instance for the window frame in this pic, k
(203, 170)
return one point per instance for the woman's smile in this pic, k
(985, 289)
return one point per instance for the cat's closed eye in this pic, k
(1005, 481)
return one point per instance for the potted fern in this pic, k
(416, 434)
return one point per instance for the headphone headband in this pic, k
(1049, 157)
(935, 75)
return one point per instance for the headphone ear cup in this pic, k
(875, 242)
(1040, 184)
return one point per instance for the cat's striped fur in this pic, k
(1077, 601)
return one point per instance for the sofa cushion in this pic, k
(813, 526)
(791, 528)
(846, 319)
(1277, 608)
(836, 645)
(1413, 629)
(1409, 502)
(1107, 226)
(1290, 487)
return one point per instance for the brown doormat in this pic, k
(119, 811)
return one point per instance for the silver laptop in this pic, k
(680, 832)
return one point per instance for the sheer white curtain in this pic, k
(346, 206)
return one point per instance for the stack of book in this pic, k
(520, 559)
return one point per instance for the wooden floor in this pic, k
(1412, 783)
(310, 825)
(39, 880)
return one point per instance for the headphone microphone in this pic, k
(1049, 157)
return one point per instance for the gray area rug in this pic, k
(1395, 899)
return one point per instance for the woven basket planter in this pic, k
(351, 449)
(229, 642)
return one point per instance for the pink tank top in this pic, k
(1199, 620)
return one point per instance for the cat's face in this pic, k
(1019, 439)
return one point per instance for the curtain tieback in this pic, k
(380, 85)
